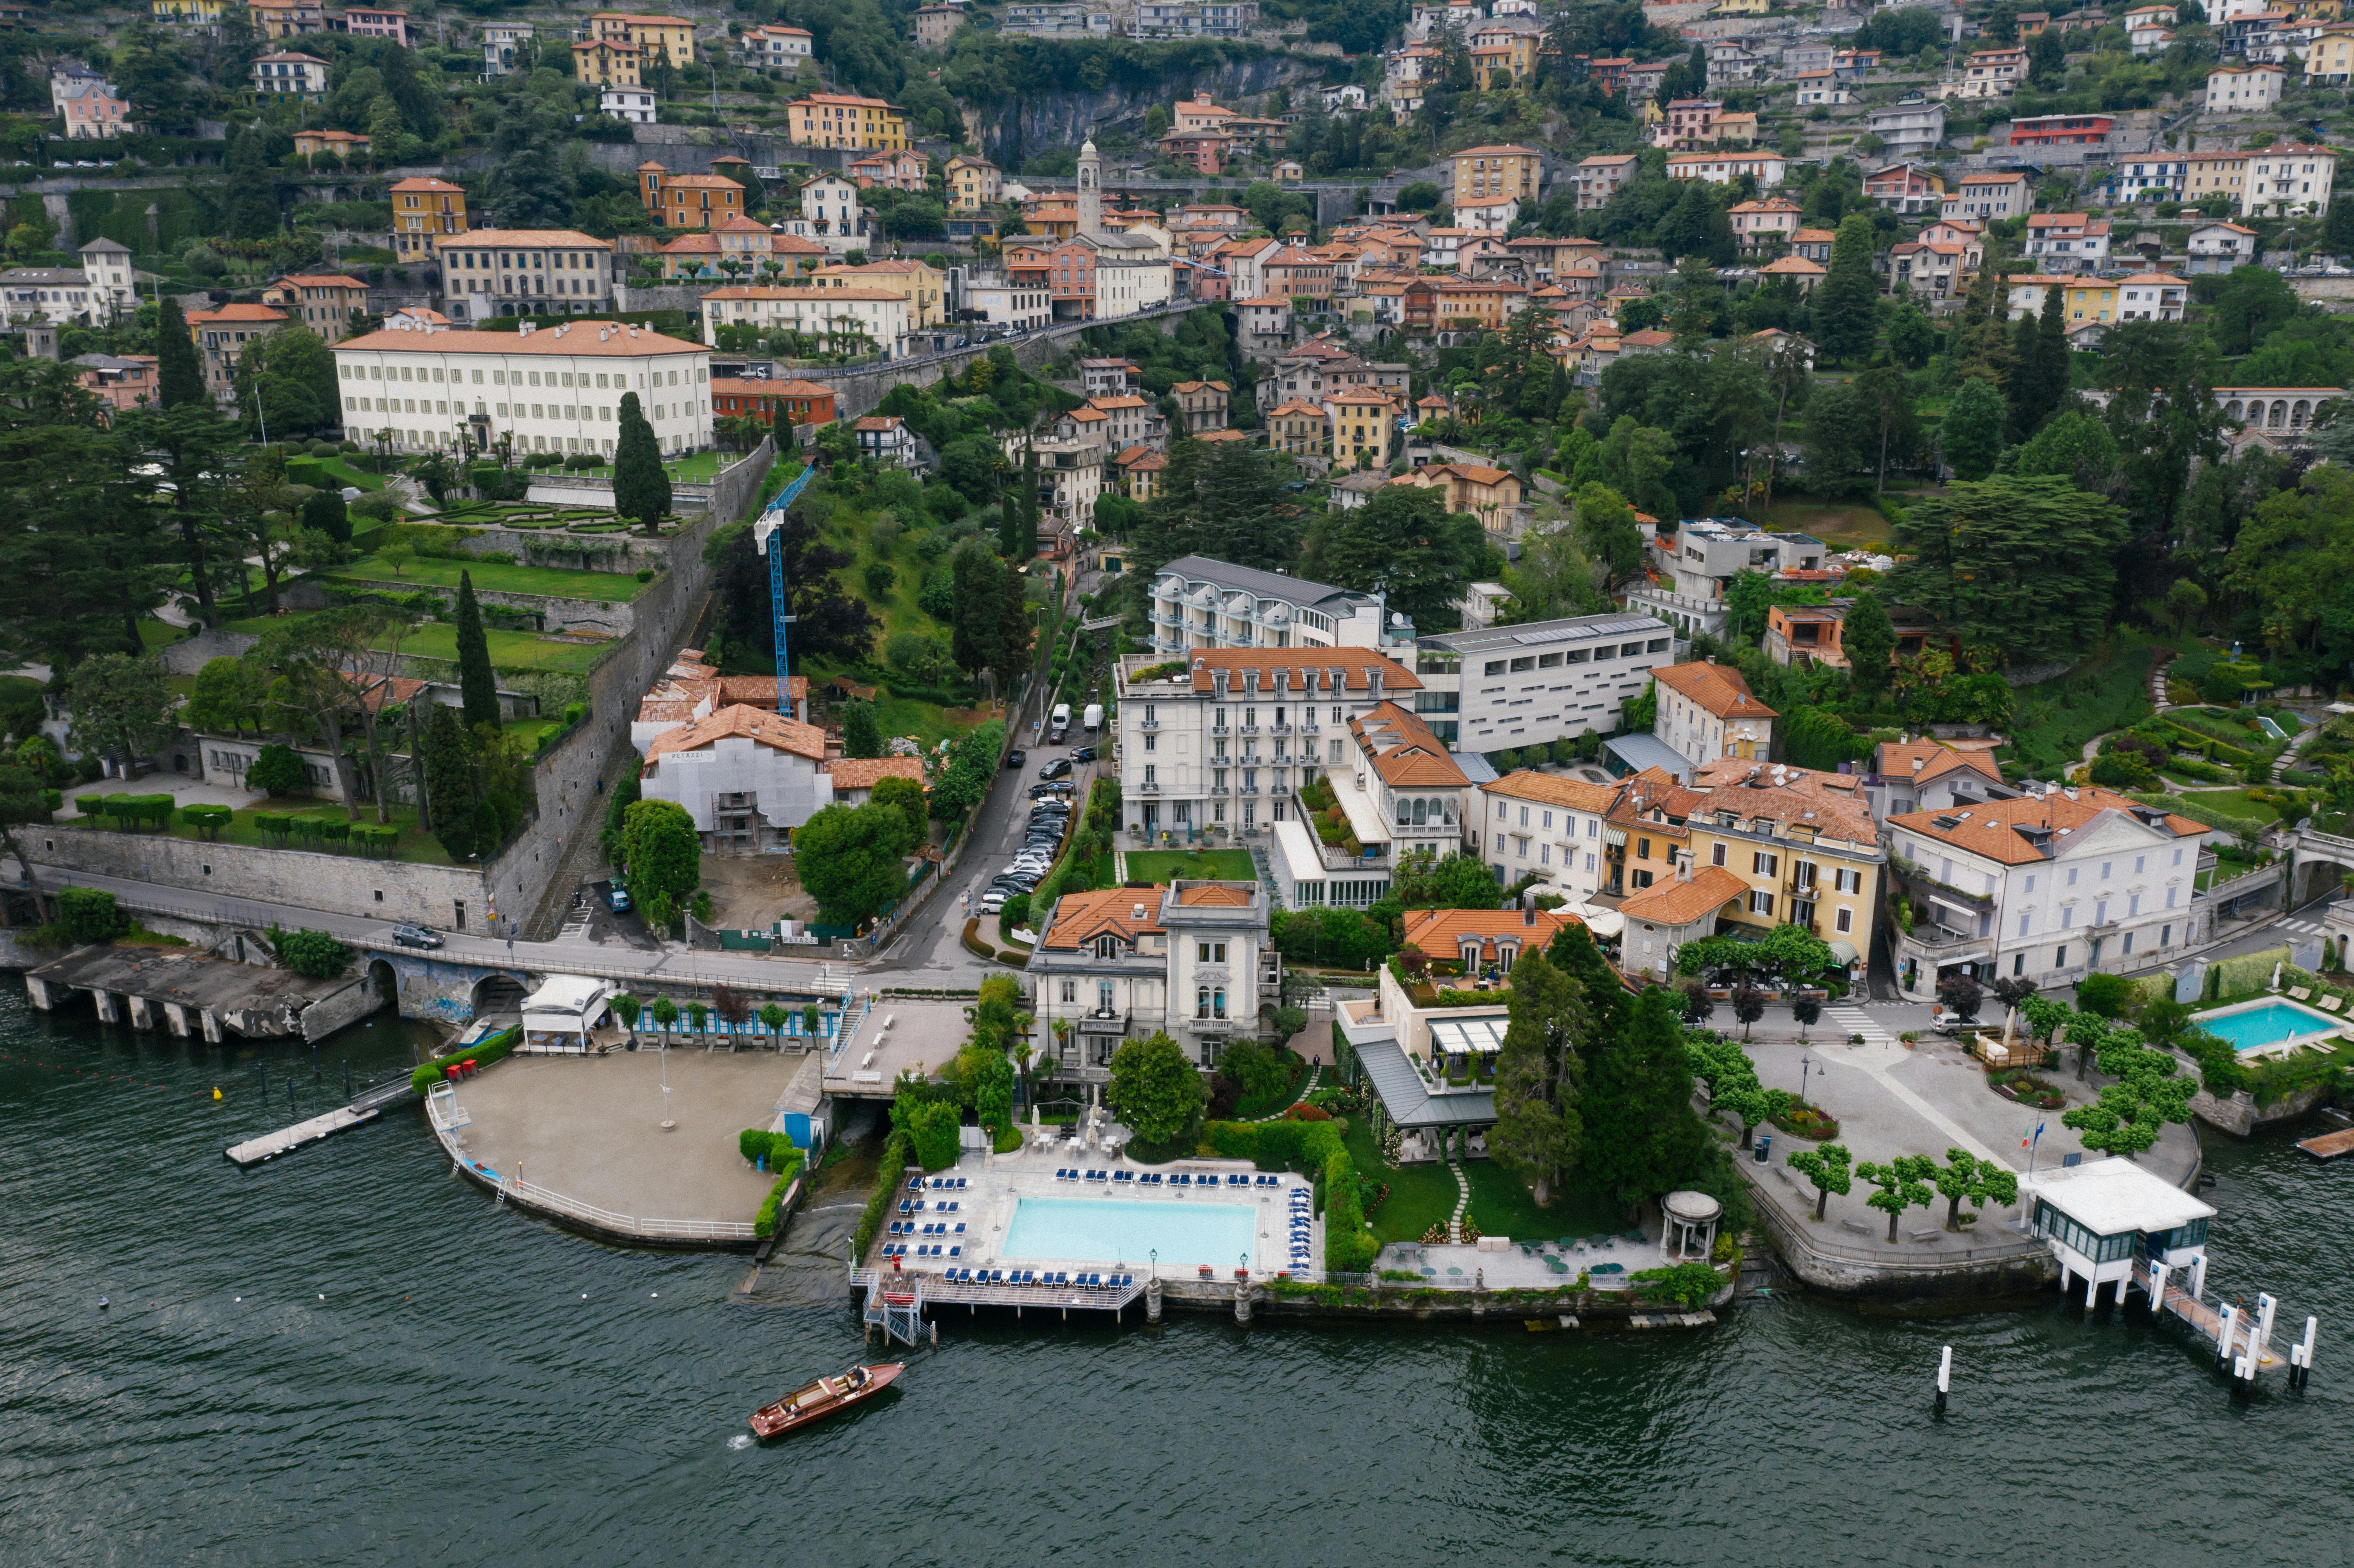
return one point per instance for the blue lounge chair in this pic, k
(915, 1183)
(997, 1277)
(956, 1252)
(1094, 1281)
(960, 1180)
(906, 1205)
(959, 1228)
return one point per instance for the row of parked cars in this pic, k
(1050, 818)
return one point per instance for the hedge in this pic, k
(483, 1054)
(783, 1159)
(2247, 973)
(878, 1202)
(1310, 1149)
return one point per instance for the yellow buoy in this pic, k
(216, 1093)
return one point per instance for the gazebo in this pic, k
(1688, 1226)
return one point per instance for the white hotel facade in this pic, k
(551, 390)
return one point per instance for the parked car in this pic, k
(1084, 754)
(1058, 769)
(617, 898)
(1016, 758)
(416, 937)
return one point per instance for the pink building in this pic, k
(373, 23)
(93, 111)
(121, 382)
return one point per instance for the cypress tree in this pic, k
(641, 488)
(1642, 1137)
(1868, 640)
(1017, 515)
(478, 688)
(452, 782)
(1847, 301)
(179, 374)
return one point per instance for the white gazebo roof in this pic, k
(571, 995)
(2110, 1197)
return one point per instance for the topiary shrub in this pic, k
(88, 914)
(312, 953)
(276, 772)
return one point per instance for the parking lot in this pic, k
(1058, 777)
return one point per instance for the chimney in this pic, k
(1529, 915)
(524, 330)
(1683, 867)
(1136, 912)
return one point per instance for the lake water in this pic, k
(349, 1357)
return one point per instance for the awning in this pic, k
(1603, 922)
(1408, 1102)
(1844, 950)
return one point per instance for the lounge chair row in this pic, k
(899, 1249)
(944, 1183)
(1035, 1277)
(916, 1205)
(919, 1228)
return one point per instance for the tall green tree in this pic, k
(252, 190)
(1847, 301)
(851, 858)
(1642, 1137)
(478, 684)
(121, 707)
(1538, 1073)
(664, 856)
(2022, 565)
(978, 634)
(454, 785)
(1017, 529)
(1405, 544)
(641, 487)
(1869, 642)
(1970, 435)
(1156, 1093)
(179, 373)
(2039, 369)
(1903, 1183)
(861, 735)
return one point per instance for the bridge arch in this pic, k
(498, 992)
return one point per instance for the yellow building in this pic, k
(1741, 7)
(2329, 59)
(206, 13)
(602, 62)
(688, 201)
(1500, 170)
(924, 289)
(670, 38)
(1362, 429)
(838, 120)
(2092, 301)
(1801, 842)
(1299, 429)
(1495, 66)
(974, 184)
(423, 209)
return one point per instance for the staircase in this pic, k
(1462, 1200)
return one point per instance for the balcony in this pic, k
(1222, 789)
(1250, 729)
(1148, 724)
(1278, 728)
(1279, 790)
(1220, 729)
(1101, 1022)
(1148, 787)
(1308, 727)
(1250, 789)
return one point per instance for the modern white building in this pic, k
(2106, 1218)
(1198, 603)
(2244, 89)
(1190, 958)
(999, 302)
(633, 104)
(1222, 740)
(2054, 884)
(1510, 687)
(1692, 561)
(548, 389)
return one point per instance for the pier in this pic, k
(2329, 1145)
(933, 1289)
(286, 1139)
(187, 994)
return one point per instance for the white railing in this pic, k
(531, 1195)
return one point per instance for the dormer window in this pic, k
(1107, 946)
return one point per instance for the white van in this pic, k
(1061, 719)
(1094, 717)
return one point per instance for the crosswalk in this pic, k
(2306, 928)
(1855, 1021)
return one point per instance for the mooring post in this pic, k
(1153, 1299)
(2223, 1335)
(2300, 1356)
(1242, 1301)
(1945, 1377)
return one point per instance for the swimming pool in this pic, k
(2254, 1026)
(1112, 1230)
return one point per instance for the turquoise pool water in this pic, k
(2257, 1027)
(1110, 1230)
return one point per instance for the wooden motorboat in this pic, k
(826, 1396)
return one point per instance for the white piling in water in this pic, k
(2225, 1334)
(1945, 1377)
(2261, 1339)
(2300, 1356)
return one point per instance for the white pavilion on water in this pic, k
(2112, 1222)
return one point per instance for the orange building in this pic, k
(800, 402)
(688, 201)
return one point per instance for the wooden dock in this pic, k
(2209, 1323)
(286, 1139)
(2329, 1145)
(937, 1292)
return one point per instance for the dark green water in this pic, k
(350, 1358)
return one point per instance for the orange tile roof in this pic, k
(241, 312)
(1923, 761)
(1832, 804)
(1676, 902)
(742, 721)
(1080, 917)
(1441, 932)
(1554, 789)
(559, 238)
(1992, 829)
(1208, 894)
(1718, 688)
(1308, 668)
(865, 772)
(760, 691)
(424, 182)
(1404, 750)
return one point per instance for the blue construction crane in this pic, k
(764, 535)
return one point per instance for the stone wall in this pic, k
(522, 879)
(608, 617)
(343, 883)
(2006, 1271)
(857, 390)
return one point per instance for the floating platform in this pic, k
(286, 1139)
(2329, 1145)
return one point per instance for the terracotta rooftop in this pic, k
(1308, 669)
(1676, 902)
(2030, 829)
(1831, 804)
(1406, 752)
(1554, 789)
(1444, 933)
(865, 772)
(743, 722)
(1126, 912)
(1718, 688)
(1207, 894)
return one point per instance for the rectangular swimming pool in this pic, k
(1113, 1229)
(2257, 1026)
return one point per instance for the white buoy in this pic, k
(1945, 1377)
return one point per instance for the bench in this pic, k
(1858, 1227)
(1927, 1235)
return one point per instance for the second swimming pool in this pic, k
(1124, 1231)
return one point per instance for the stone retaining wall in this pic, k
(2005, 1272)
(309, 879)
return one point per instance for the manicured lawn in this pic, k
(155, 633)
(1424, 1195)
(352, 476)
(423, 848)
(2235, 803)
(1204, 865)
(494, 576)
(2054, 720)
(509, 650)
(1841, 526)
